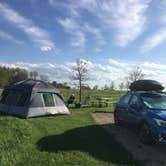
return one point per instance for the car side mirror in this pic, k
(135, 107)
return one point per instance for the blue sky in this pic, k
(112, 35)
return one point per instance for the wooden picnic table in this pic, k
(104, 100)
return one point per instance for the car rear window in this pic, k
(134, 100)
(125, 99)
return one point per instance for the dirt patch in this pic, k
(154, 155)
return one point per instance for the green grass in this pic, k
(93, 95)
(59, 140)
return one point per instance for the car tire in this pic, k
(145, 135)
(116, 118)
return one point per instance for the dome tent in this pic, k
(32, 98)
(146, 85)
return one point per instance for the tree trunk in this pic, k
(80, 91)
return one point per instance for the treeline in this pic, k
(60, 85)
(11, 75)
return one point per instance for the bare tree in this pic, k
(134, 75)
(80, 74)
(112, 85)
(121, 86)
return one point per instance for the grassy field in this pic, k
(114, 95)
(93, 93)
(59, 140)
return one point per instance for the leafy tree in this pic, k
(96, 87)
(18, 75)
(60, 85)
(86, 87)
(44, 78)
(80, 74)
(33, 75)
(11, 75)
(106, 87)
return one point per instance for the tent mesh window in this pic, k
(3, 97)
(58, 101)
(12, 98)
(22, 100)
(48, 99)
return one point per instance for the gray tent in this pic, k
(31, 98)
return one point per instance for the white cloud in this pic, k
(80, 31)
(70, 26)
(155, 40)
(9, 37)
(78, 39)
(127, 18)
(117, 63)
(96, 32)
(99, 74)
(45, 48)
(158, 22)
(39, 36)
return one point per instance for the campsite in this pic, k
(82, 83)
(81, 138)
(65, 140)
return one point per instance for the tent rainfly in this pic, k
(32, 98)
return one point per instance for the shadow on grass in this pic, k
(91, 139)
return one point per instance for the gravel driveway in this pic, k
(154, 155)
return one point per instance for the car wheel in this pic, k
(116, 118)
(145, 135)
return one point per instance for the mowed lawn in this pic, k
(112, 94)
(59, 140)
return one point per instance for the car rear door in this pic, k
(122, 107)
(134, 113)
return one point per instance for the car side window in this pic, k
(125, 99)
(134, 100)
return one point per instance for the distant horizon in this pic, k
(112, 36)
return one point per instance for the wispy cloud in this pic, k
(6, 36)
(127, 18)
(80, 31)
(39, 36)
(70, 26)
(158, 22)
(154, 40)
